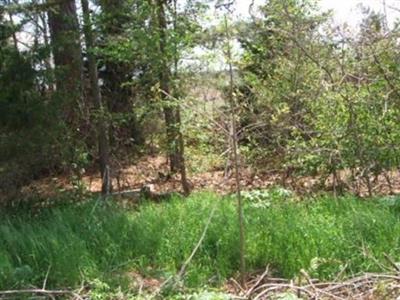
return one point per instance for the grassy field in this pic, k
(99, 242)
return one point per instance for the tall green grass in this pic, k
(74, 243)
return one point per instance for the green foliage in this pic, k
(265, 198)
(278, 80)
(132, 61)
(353, 125)
(91, 241)
(34, 137)
(327, 102)
(29, 128)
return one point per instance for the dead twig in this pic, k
(248, 293)
(182, 271)
(392, 262)
(200, 241)
(358, 287)
(49, 293)
(45, 279)
(238, 285)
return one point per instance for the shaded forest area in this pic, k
(121, 111)
(98, 88)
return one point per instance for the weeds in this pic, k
(91, 242)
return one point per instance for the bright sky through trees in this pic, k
(345, 11)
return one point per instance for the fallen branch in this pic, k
(42, 292)
(392, 262)
(189, 259)
(248, 293)
(182, 271)
(358, 287)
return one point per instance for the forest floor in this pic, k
(153, 171)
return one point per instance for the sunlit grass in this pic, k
(94, 241)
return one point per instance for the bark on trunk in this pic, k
(235, 152)
(181, 144)
(172, 132)
(96, 95)
(66, 48)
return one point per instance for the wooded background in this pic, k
(94, 86)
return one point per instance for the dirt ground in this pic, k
(153, 171)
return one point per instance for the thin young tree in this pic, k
(234, 137)
(180, 140)
(103, 144)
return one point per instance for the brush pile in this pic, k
(365, 286)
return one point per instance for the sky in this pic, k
(344, 11)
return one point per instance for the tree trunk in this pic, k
(172, 130)
(14, 34)
(46, 42)
(181, 144)
(66, 47)
(119, 98)
(96, 95)
(235, 155)
(181, 156)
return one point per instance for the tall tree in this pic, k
(180, 140)
(14, 34)
(172, 116)
(164, 74)
(66, 48)
(103, 143)
(115, 18)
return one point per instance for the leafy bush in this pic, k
(318, 114)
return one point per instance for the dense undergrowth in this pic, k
(97, 242)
